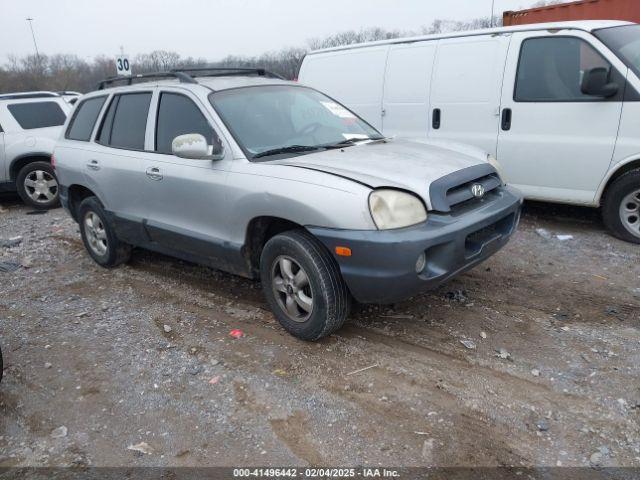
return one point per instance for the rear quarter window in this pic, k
(37, 114)
(84, 119)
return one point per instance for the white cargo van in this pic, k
(557, 104)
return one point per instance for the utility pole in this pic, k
(493, 4)
(30, 20)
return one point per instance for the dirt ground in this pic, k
(96, 361)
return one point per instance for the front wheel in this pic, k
(37, 185)
(621, 207)
(303, 285)
(98, 235)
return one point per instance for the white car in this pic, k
(557, 104)
(30, 125)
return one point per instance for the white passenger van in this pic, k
(557, 104)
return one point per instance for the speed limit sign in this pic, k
(123, 67)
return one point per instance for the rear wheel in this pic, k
(37, 185)
(98, 236)
(621, 207)
(303, 285)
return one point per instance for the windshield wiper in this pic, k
(288, 149)
(352, 141)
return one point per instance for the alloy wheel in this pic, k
(630, 212)
(41, 186)
(291, 288)
(95, 233)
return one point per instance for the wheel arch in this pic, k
(76, 194)
(620, 169)
(19, 162)
(258, 232)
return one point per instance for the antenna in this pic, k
(33, 35)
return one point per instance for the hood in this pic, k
(404, 164)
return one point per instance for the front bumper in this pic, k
(382, 266)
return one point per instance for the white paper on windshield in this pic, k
(338, 110)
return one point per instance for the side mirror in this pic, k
(195, 147)
(596, 82)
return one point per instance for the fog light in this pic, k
(421, 262)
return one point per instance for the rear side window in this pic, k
(37, 114)
(125, 123)
(551, 70)
(84, 119)
(178, 115)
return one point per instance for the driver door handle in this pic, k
(154, 173)
(93, 165)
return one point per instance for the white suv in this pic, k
(269, 179)
(30, 124)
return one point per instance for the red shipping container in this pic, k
(628, 10)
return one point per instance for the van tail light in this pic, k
(53, 162)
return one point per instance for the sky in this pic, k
(211, 29)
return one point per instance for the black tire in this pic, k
(27, 192)
(621, 188)
(115, 252)
(331, 300)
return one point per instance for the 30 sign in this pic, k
(123, 67)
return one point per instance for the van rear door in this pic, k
(407, 83)
(466, 89)
(556, 143)
(352, 77)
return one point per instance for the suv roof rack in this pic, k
(183, 77)
(23, 95)
(187, 75)
(227, 72)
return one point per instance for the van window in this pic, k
(625, 42)
(551, 70)
(125, 123)
(178, 115)
(84, 119)
(37, 114)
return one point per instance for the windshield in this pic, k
(287, 120)
(625, 43)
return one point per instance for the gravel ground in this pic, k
(97, 361)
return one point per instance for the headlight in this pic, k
(395, 209)
(496, 164)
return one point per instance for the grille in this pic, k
(461, 196)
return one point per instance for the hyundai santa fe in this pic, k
(243, 171)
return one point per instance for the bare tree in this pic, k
(70, 72)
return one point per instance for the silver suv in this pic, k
(265, 178)
(30, 124)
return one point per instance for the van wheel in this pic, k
(621, 207)
(303, 285)
(37, 185)
(98, 236)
